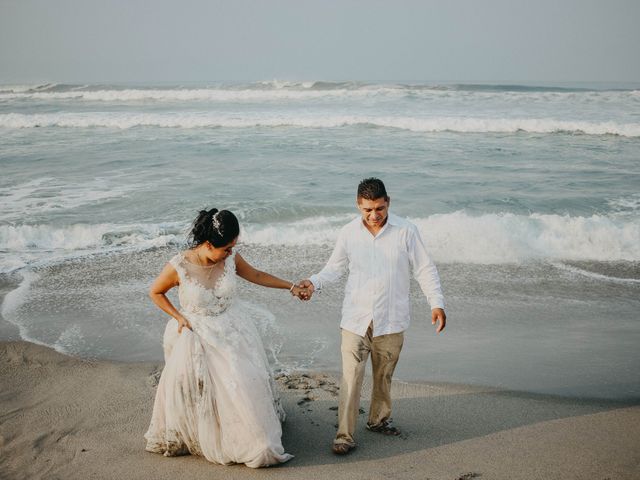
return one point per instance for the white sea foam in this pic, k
(15, 298)
(281, 84)
(69, 339)
(279, 90)
(491, 238)
(452, 237)
(625, 205)
(8, 91)
(193, 95)
(414, 124)
(48, 194)
(596, 276)
(36, 245)
(510, 238)
(309, 231)
(84, 236)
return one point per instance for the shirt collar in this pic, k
(391, 220)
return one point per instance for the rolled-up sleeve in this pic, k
(424, 270)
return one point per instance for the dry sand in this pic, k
(67, 418)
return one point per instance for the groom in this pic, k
(378, 249)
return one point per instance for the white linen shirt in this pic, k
(377, 288)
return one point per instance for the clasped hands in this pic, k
(303, 290)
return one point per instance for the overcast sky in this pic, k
(242, 40)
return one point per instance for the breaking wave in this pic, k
(453, 237)
(278, 90)
(413, 124)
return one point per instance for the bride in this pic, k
(216, 396)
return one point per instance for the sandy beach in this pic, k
(507, 138)
(69, 418)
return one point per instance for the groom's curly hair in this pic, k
(372, 189)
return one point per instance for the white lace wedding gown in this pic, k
(216, 396)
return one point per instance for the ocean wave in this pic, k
(490, 238)
(511, 238)
(597, 276)
(282, 84)
(413, 124)
(195, 95)
(629, 205)
(15, 299)
(87, 237)
(22, 89)
(47, 194)
(452, 237)
(277, 90)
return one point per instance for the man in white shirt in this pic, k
(378, 249)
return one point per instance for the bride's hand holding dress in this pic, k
(216, 396)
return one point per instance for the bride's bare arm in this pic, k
(164, 282)
(253, 275)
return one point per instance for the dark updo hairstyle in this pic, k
(219, 228)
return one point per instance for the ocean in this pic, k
(527, 196)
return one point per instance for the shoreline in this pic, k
(66, 417)
(494, 337)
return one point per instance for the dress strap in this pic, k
(177, 263)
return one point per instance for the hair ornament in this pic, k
(217, 225)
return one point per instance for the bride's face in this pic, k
(219, 254)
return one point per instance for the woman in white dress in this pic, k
(216, 396)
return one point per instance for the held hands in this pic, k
(303, 290)
(438, 315)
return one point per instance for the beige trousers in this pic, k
(385, 351)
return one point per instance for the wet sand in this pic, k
(67, 418)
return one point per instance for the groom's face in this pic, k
(374, 212)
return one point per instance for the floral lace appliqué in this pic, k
(200, 300)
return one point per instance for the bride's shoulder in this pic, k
(176, 260)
